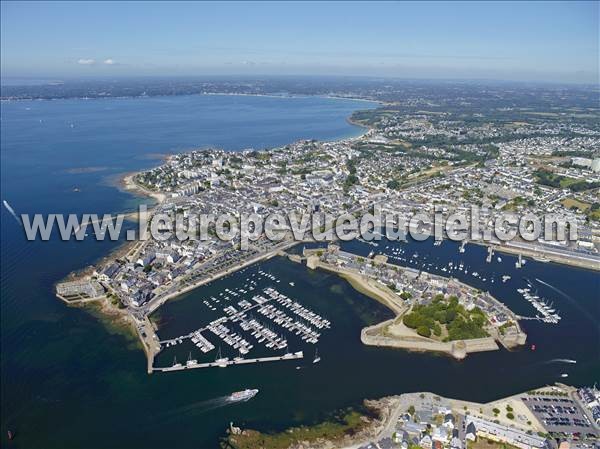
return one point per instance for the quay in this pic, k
(222, 363)
(183, 287)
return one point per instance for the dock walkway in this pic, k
(224, 319)
(226, 362)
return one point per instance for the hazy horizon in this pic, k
(14, 81)
(527, 41)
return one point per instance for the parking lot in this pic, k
(559, 414)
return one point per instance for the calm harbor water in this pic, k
(66, 381)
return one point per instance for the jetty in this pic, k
(223, 363)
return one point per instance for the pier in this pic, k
(298, 320)
(289, 316)
(547, 313)
(223, 363)
(233, 317)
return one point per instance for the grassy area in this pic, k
(346, 424)
(517, 202)
(403, 144)
(550, 179)
(566, 181)
(572, 202)
(592, 211)
(595, 215)
(482, 443)
(447, 320)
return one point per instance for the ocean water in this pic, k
(68, 381)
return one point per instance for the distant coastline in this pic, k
(215, 94)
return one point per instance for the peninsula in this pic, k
(433, 313)
(394, 165)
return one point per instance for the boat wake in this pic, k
(11, 211)
(562, 361)
(200, 407)
(554, 288)
(537, 365)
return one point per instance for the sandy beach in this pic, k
(129, 184)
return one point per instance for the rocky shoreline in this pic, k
(363, 426)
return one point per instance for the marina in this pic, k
(397, 254)
(546, 312)
(259, 319)
(501, 271)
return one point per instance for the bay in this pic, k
(68, 381)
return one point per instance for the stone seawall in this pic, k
(410, 340)
(394, 334)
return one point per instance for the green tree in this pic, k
(424, 331)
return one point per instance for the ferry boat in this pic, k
(243, 395)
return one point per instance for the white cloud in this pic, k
(84, 61)
(110, 61)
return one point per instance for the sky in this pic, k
(525, 41)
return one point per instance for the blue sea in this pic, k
(68, 380)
